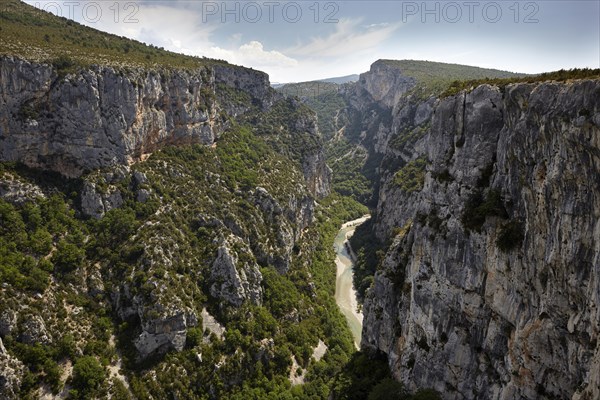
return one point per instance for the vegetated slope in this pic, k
(327, 100)
(190, 246)
(341, 79)
(33, 34)
(224, 230)
(483, 243)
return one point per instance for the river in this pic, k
(345, 295)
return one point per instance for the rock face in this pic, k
(235, 282)
(34, 331)
(95, 204)
(384, 84)
(491, 286)
(11, 373)
(255, 83)
(163, 334)
(101, 117)
(317, 174)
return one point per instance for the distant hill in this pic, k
(307, 89)
(341, 79)
(337, 80)
(433, 78)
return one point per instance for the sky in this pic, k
(296, 41)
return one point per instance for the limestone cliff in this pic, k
(491, 201)
(104, 116)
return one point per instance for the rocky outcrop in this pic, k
(160, 335)
(211, 326)
(95, 203)
(99, 116)
(14, 190)
(11, 374)
(384, 84)
(33, 330)
(255, 83)
(8, 322)
(150, 296)
(235, 275)
(317, 174)
(490, 288)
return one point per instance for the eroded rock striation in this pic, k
(490, 287)
(103, 116)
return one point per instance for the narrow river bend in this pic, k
(345, 295)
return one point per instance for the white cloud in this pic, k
(251, 54)
(349, 37)
(255, 54)
(380, 25)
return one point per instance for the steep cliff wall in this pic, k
(100, 116)
(103, 116)
(490, 288)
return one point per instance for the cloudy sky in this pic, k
(306, 40)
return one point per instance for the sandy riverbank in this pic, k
(345, 295)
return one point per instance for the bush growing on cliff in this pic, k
(64, 65)
(412, 176)
(510, 236)
(360, 376)
(27, 236)
(388, 389)
(478, 208)
(425, 394)
(68, 257)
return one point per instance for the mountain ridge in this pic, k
(171, 218)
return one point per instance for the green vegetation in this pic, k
(410, 136)
(265, 377)
(324, 99)
(352, 170)
(478, 208)
(88, 375)
(411, 177)
(36, 35)
(510, 236)
(27, 235)
(560, 76)
(42, 361)
(369, 378)
(287, 128)
(191, 186)
(387, 389)
(148, 258)
(369, 255)
(360, 376)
